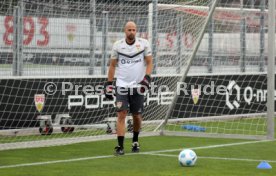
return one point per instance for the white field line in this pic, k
(215, 158)
(110, 156)
(56, 161)
(210, 146)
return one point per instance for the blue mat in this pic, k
(193, 128)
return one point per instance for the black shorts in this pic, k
(129, 98)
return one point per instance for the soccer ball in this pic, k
(187, 157)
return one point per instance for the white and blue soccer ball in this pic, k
(187, 157)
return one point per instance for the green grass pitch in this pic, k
(158, 157)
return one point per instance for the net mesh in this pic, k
(52, 72)
(232, 101)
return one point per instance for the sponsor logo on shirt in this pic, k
(127, 61)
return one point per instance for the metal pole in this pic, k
(210, 43)
(271, 70)
(17, 41)
(20, 38)
(92, 47)
(179, 43)
(51, 8)
(150, 14)
(243, 39)
(262, 36)
(104, 41)
(154, 35)
(15, 38)
(252, 4)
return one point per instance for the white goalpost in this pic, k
(212, 74)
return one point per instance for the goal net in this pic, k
(209, 75)
(223, 93)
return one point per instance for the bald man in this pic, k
(131, 58)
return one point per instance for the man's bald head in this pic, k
(130, 24)
(130, 31)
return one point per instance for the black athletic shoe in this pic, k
(135, 147)
(118, 151)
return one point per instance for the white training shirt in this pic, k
(131, 64)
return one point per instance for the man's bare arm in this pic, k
(148, 60)
(111, 71)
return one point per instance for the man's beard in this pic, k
(131, 37)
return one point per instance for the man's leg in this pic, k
(137, 120)
(122, 109)
(121, 127)
(136, 108)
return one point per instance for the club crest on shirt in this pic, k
(119, 104)
(138, 46)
